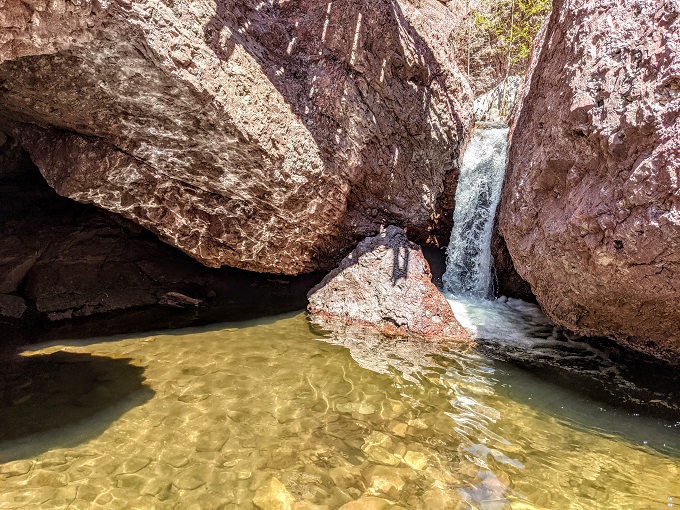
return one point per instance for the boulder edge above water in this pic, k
(270, 137)
(385, 284)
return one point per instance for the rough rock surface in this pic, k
(269, 136)
(385, 284)
(591, 205)
(12, 158)
(506, 281)
(35, 27)
(63, 260)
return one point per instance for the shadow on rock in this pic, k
(368, 87)
(55, 392)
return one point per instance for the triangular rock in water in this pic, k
(385, 284)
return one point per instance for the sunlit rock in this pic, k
(367, 503)
(40, 27)
(273, 495)
(16, 468)
(385, 284)
(382, 480)
(270, 137)
(191, 479)
(496, 104)
(415, 460)
(443, 499)
(591, 205)
(213, 440)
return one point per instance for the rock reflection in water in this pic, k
(264, 409)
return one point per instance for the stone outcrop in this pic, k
(506, 281)
(591, 205)
(386, 285)
(36, 27)
(265, 136)
(12, 158)
(63, 260)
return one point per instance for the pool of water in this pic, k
(250, 413)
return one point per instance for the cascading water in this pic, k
(467, 281)
(468, 268)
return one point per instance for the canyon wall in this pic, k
(591, 205)
(268, 136)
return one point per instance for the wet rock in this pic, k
(344, 476)
(134, 465)
(385, 284)
(176, 460)
(377, 448)
(266, 138)
(87, 493)
(16, 468)
(273, 495)
(415, 460)
(398, 428)
(12, 307)
(130, 482)
(366, 503)
(356, 407)
(506, 281)
(591, 208)
(443, 499)
(213, 440)
(382, 480)
(178, 300)
(306, 505)
(191, 479)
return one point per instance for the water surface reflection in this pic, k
(334, 421)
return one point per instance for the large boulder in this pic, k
(385, 284)
(63, 260)
(267, 136)
(591, 205)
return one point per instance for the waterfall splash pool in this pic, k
(204, 418)
(277, 415)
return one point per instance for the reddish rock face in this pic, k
(39, 27)
(591, 205)
(63, 260)
(385, 284)
(265, 136)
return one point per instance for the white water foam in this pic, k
(510, 321)
(468, 264)
(468, 277)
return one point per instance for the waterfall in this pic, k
(468, 265)
(467, 280)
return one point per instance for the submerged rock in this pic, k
(273, 496)
(591, 205)
(367, 503)
(266, 136)
(385, 283)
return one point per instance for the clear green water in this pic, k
(209, 418)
